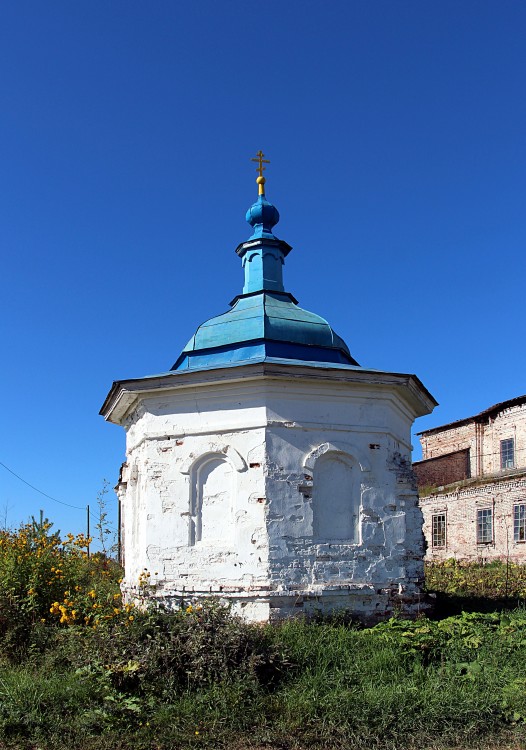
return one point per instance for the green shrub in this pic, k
(191, 648)
(46, 580)
(495, 580)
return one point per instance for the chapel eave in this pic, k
(124, 395)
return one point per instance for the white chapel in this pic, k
(266, 467)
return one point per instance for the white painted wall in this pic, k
(284, 491)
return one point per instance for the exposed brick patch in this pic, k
(442, 470)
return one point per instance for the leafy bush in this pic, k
(191, 648)
(496, 580)
(48, 580)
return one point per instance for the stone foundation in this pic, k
(363, 604)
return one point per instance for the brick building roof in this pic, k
(483, 416)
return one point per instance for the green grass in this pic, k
(455, 683)
(121, 679)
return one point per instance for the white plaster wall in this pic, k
(263, 551)
(375, 431)
(165, 439)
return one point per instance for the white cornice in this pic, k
(125, 394)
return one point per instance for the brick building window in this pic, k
(484, 526)
(507, 453)
(519, 522)
(438, 530)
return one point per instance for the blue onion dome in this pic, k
(262, 216)
(264, 322)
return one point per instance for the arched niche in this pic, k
(336, 492)
(221, 450)
(212, 482)
(348, 449)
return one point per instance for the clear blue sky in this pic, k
(396, 132)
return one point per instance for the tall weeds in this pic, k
(84, 677)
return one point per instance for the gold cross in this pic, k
(259, 158)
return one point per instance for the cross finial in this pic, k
(260, 168)
(259, 157)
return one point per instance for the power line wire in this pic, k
(60, 502)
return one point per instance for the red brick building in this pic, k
(472, 485)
